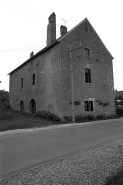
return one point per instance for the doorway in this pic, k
(22, 106)
(32, 106)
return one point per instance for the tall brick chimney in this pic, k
(63, 30)
(51, 29)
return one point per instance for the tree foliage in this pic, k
(119, 105)
(4, 98)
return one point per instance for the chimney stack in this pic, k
(63, 30)
(51, 29)
(31, 54)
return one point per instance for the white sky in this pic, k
(23, 24)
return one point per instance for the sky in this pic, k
(23, 29)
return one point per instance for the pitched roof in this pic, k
(72, 29)
(37, 54)
(57, 41)
(77, 27)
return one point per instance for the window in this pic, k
(87, 75)
(88, 105)
(21, 82)
(86, 29)
(97, 56)
(33, 79)
(87, 52)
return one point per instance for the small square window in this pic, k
(33, 79)
(87, 75)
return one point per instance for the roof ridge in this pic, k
(100, 39)
(59, 39)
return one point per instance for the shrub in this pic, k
(68, 118)
(119, 112)
(47, 115)
(5, 104)
(52, 117)
(90, 117)
(99, 117)
(85, 118)
(81, 118)
(4, 98)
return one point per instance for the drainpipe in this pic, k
(104, 84)
(61, 79)
(72, 86)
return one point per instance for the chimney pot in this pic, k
(63, 30)
(31, 54)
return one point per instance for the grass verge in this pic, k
(12, 120)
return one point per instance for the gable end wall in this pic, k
(100, 63)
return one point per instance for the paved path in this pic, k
(22, 150)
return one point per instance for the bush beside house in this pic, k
(4, 99)
(119, 104)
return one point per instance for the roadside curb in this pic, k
(21, 131)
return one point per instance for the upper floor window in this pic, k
(86, 29)
(21, 82)
(87, 75)
(33, 79)
(87, 52)
(88, 105)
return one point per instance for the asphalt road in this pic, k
(19, 152)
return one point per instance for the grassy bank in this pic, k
(11, 120)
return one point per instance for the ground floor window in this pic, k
(88, 105)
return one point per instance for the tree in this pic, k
(4, 98)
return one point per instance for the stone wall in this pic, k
(73, 56)
(60, 76)
(47, 89)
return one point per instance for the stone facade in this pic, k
(73, 75)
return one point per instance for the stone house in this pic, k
(72, 75)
